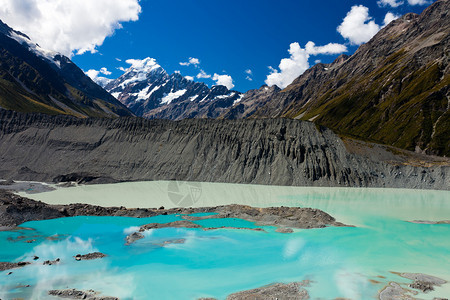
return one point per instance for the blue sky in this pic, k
(227, 37)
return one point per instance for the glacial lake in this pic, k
(349, 262)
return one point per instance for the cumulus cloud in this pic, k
(144, 65)
(225, 80)
(297, 63)
(290, 68)
(189, 78)
(203, 74)
(68, 27)
(358, 27)
(389, 17)
(249, 72)
(100, 80)
(391, 3)
(192, 61)
(331, 48)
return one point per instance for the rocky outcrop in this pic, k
(77, 294)
(251, 101)
(276, 151)
(15, 210)
(288, 291)
(393, 89)
(90, 256)
(282, 217)
(8, 265)
(133, 237)
(422, 282)
(176, 224)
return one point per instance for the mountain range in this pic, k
(149, 91)
(393, 90)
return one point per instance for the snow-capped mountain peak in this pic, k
(23, 39)
(146, 89)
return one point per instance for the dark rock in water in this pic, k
(284, 230)
(169, 242)
(131, 238)
(422, 282)
(176, 224)
(8, 265)
(35, 257)
(289, 291)
(77, 294)
(422, 285)
(294, 217)
(90, 256)
(229, 227)
(15, 210)
(430, 222)
(51, 262)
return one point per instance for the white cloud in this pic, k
(192, 61)
(143, 65)
(203, 74)
(391, 3)
(68, 26)
(225, 80)
(122, 69)
(290, 68)
(297, 63)
(118, 59)
(331, 48)
(418, 2)
(317, 61)
(249, 73)
(105, 71)
(389, 17)
(100, 80)
(189, 78)
(358, 27)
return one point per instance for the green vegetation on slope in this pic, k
(395, 106)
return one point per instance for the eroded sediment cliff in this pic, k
(271, 151)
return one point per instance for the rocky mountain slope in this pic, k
(393, 89)
(149, 91)
(251, 101)
(269, 151)
(33, 79)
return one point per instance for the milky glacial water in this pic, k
(340, 262)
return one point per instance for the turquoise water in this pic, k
(340, 261)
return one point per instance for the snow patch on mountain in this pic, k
(238, 99)
(172, 96)
(46, 54)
